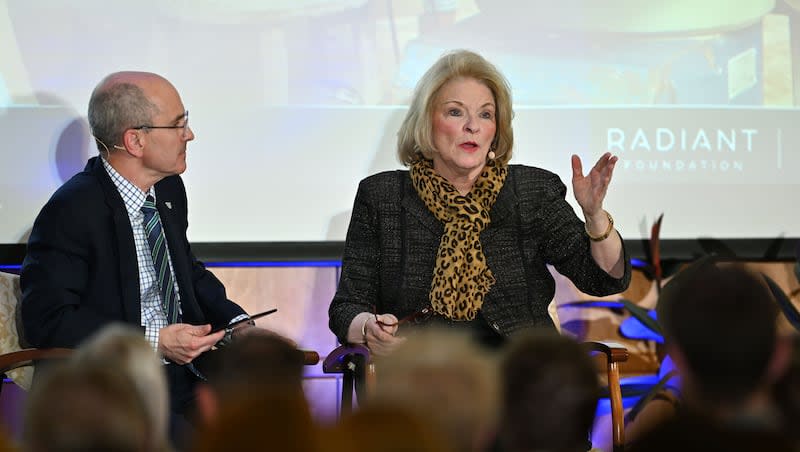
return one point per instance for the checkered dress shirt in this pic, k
(153, 316)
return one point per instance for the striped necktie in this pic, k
(158, 249)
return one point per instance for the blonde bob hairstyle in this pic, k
(415, 137)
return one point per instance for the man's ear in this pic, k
(134, 142)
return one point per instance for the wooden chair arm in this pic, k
(615, 353)
(310, 357)
(26, 357)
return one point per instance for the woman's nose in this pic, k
(471, 126)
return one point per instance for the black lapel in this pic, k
(504, 207)
(126, 248)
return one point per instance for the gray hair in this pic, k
(114, 107)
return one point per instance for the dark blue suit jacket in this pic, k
(81, 273)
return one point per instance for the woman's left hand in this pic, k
(590, 190)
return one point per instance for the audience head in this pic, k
(415, 137)
(385, 428)
(251, 363)
(549, 393)
(719, 322)
(448, 379)
(261, 420)
(75, 407)
(123, 348)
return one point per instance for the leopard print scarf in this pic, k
(461, 277)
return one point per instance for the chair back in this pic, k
(17, 359)
(10, 327)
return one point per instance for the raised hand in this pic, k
(590, 190)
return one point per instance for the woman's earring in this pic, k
(491, 155)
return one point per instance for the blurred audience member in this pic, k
(385, 428)
(251, 363)
(264, 420)
(123, 348)
(445, 377)
(254, 398)
(549, 394)
(87, 408)
(719, 324)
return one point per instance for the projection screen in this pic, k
(294, 101)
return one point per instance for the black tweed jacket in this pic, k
(391, 245)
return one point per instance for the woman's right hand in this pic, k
(379, 334)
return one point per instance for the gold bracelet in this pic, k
(603, 236)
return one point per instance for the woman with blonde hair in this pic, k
(463, 238)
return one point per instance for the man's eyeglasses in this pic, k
(413, 318)
(184, 126)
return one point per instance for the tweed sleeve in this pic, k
(359, 280)
(566, 246)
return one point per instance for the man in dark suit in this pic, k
(90, 258)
